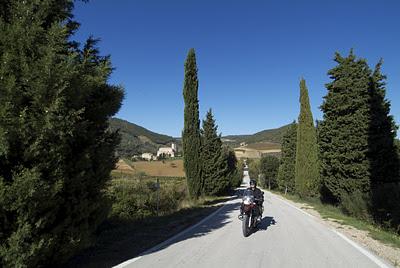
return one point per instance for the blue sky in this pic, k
(250, 54)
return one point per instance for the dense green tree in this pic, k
(191, 141)
(286, 172)
(344, 131)
(235, 167)
(382, 153)
(211, 157)
(56, 151)
(219, 163)
(306, 167)
(231, 174)
(254, 168)
(382, 133)
(269, 166)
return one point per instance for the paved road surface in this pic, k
(287, 238)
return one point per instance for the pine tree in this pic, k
(343, 133)
(306, 168)
(56, 152)
(286, 172)
(211, 146)
(191, 133)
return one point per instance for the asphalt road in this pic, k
(287, 237)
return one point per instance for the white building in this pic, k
(148, 156)
(167, 151)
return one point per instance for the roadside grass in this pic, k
(334, 213)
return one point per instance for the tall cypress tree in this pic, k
(343, 133)
(382, 153)
(382, 133)
(306, 168)
(211, 156)
(286, 172)
(191, 132)
(56, 152)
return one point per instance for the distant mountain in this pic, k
(136, 139)
(269, 135)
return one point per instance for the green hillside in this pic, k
(136, 139)
(269, 135)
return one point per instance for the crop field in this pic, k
(261, 146)
(167, 168)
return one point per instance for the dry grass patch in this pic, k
(168, 168)
(122, 166)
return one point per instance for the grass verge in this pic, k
(335, 214)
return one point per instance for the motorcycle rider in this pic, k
(258, 196)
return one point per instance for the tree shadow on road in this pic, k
(123, 241)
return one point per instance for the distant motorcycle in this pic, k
(248, 214)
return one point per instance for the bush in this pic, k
(385, 205)
(136, 198)
(355, 204)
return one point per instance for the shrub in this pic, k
(385, 206)
(135, 198)
(355, 204)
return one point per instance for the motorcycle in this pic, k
(248, 213)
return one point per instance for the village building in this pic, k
(148, 156)
(167, 151)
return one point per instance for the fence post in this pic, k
(158, 193)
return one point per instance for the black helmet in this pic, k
(253, 182)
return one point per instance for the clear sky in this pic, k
(250, 55)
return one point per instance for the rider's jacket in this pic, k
(258, 194)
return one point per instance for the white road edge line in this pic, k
(166, 242)
(369, 255)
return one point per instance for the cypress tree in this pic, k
(382, 133)
(286, 172)
(56, 152)
(382, 153)
(211, 146)
(343, 133)
(218, 162)
(306, 168)
(191, 142)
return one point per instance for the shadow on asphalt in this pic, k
(133, 238)
(218, 221)
(266, 222)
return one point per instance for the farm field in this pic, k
(168, 168)
(264, 146)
